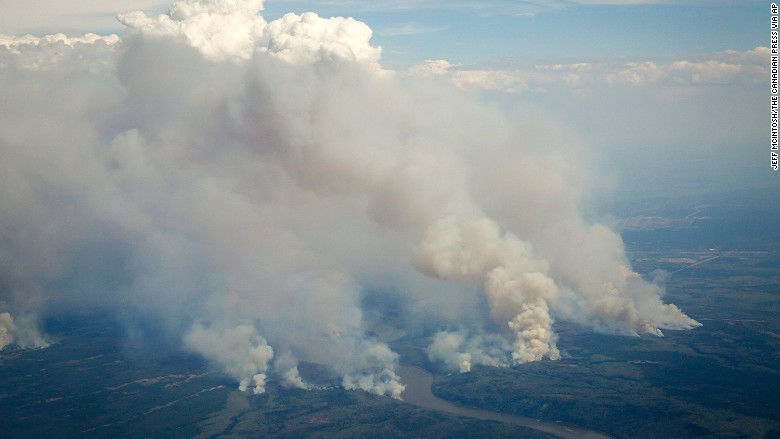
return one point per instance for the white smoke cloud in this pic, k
(460, 351)
(240, 351)
(225, 29)
(381, 383)
(21, 332)
(515, 284)
(7, 329)
(251, 182)
(286, 366)
(292, 378)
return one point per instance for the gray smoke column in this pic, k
(252, 183)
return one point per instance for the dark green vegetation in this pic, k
(91, 383)
(94, 383)
(718, 381)
(721, 380)
(338, 413)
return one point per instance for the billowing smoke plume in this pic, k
(21, 331)
(458, 351)
(240, 351)
(7, 329)
(515, 284)
(286, 367)
(254, 183)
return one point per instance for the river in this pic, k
(418, 392)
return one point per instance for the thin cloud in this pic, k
(410, 28)
(721, 68)
(51, 16)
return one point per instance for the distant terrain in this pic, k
(721, 380)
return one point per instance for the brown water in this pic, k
(418, 392)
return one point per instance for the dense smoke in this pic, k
(253, 183)
(21, 331)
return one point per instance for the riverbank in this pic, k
(418, 392)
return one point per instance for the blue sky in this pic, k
(510, 29)
(473, 32)
(691, 69)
